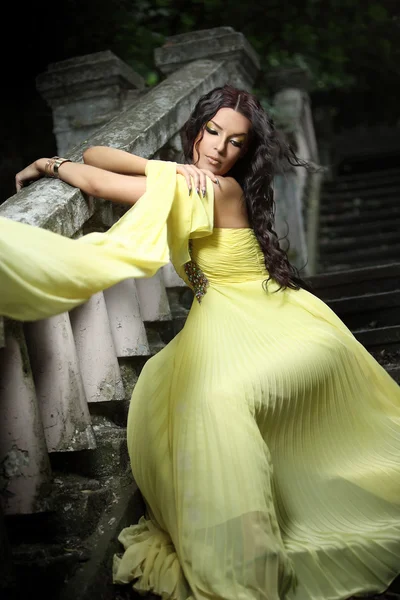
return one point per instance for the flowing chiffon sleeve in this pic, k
(43, 273)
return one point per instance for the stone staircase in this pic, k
(360, 220)
(359, 264)
(367, 300)
(359, 258)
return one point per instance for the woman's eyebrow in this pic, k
(219, 127)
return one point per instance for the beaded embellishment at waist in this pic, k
(197, 279)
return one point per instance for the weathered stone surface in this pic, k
(142, 129)
(221, 43)
(59, 386)
(93, 578)
(85, 92)
(77, 76)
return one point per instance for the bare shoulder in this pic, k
(229, 206)
(228, 188)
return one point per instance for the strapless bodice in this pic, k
(229, 256)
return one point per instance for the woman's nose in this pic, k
(219, 146)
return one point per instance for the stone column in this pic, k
(219, 44)
(85, 92)
(293, 115)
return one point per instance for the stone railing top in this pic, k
(220, 43)
(71, 76)
(143, 128)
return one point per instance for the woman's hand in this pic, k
(32, 172)
(190, 172)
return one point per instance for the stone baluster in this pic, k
(126, 322)
(95, 347)
(129, 334)
(153, 299)
(59, 385)
(23, 454)
(171, 278)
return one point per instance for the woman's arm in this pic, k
(93, 181)
(114, 160)
(125, 163)
(104, 182)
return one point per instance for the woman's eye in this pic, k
(212, 131)
(237, 144)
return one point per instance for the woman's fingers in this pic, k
(195, 173)
(196, 178)
(200, 179)
(182, 170)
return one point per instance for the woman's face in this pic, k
(224, 141)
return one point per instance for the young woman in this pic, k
(264, 438)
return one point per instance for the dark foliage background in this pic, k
(350, 48)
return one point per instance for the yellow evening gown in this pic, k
(264, 438)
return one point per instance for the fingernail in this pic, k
(190, 191)
(204, 192)
(198, 190)
(217, 182)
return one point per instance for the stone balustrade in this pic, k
(53, 372)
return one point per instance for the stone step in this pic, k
(109, 459)
(359, 228)
(394, 372)
(361, 202)
(85, 518)
(74, 567)
(366, 194)
(359, 256)
(345, 266)
(381, 338)
(331, 246)
(355, 216)
(363, 178)
(95, 574)
(328, 193)
(43, 568)
(368, 311)
(355, 282)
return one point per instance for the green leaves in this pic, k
(343, 44)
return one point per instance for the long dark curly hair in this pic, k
(267, 154)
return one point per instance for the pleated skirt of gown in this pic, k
(265, 440)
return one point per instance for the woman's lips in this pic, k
(213, 161)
